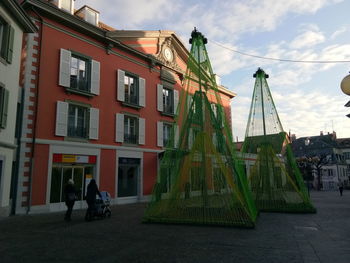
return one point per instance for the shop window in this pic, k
(130, 129)
(4, 98)
(168, 100)
(131, 89)
(76, 121)
(128, 177)
(6, 41)
(79, 73)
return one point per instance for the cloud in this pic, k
(340, 31)
(307, 39)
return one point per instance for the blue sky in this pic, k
(307, 96)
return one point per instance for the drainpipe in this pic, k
(31, 165)
(14, 186)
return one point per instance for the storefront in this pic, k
(80, 168)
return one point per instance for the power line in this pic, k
(280, 59)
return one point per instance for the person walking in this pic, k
(341, 187)
(92, 191)
(69, 196)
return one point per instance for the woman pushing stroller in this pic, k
(92, 191)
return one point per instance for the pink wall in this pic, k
(107, 171)
(149, 172)
(40, 171)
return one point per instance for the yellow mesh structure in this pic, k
(275, 180)
(200, 180)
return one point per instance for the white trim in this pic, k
(90, 145)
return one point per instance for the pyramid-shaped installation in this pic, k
(200, 180)
(275, 180)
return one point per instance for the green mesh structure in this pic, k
(275, 180)
(200, 180)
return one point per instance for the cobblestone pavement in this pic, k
(321, 237)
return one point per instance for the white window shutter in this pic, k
(215, 140)
(95, 77)
(190, 139)
(160, 134)
(176, 143)
(176, 100)
(119, 127)
(121, 87)
(142, 92)
(64, 74)
(160, 97)
(141, 131)
(94, 123)
(61, 118)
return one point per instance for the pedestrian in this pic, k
(92, 191)
(70, 196)
(341, 187)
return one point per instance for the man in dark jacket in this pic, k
(92, 191)
(69, 196)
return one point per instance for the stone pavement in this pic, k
(321, 237)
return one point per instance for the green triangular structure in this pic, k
(200, 180)
(275, 180)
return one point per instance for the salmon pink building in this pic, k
(99, 103)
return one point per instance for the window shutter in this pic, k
(160, 134)
(142, 92)
(160, 97)
(176, 100)
(215, 141)
(190, 139)
(61, 118)
(64, 77)
(4, 109)
(119, 127)
(141, 131)
(121, 88)
(11, 35)
(94, 123)
(95, 77)
(176, 142)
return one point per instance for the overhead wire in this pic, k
(279, 59)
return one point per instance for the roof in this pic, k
(323, 145)
(19, 15)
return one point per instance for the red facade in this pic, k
(86, 128)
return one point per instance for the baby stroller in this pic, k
(102, 207)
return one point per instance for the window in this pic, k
(131, 89)
(76, 120)
(168, 100)
(6, 41)
(79, 73)
(167, 132)
(91, 16)
(130, 129)
(4, 97)
(347, 155)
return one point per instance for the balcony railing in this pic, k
(132, 99)
(169, 109)
(79, 84)
(79, 132)
(130, 138)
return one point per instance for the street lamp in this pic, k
(345, 87)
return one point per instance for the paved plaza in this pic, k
(321, 237)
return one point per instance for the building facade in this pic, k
(327, 156)
(13, 23)
(99, 105)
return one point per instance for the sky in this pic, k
(307, 96)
